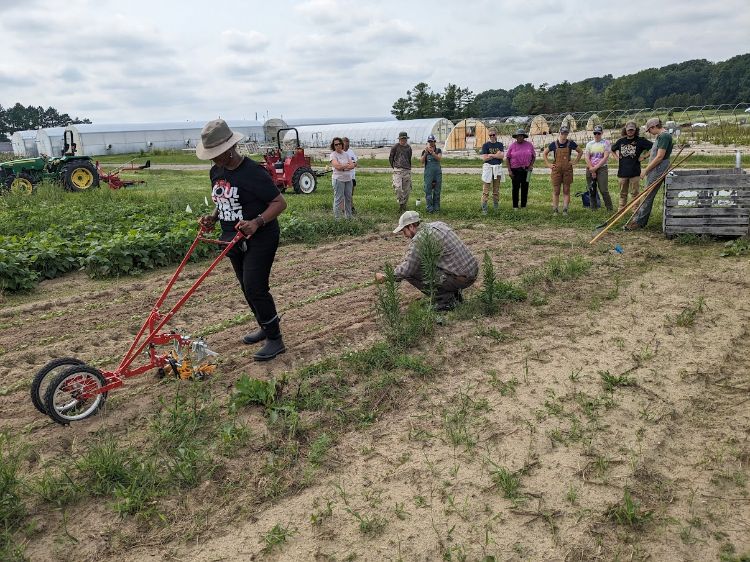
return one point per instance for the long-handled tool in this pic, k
(67, 389)
(638, 199)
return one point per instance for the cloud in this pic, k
(244, 40)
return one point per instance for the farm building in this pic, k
(372, 133)
(539, 126)
(468, 134)
(272, 126)
(98, 139)
(592, 122)
(24, 144)
(49, 142)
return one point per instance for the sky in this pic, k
(149, 61)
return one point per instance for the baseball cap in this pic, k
(403, 135)
(564, 129)
(409, 217)
(598, 129)
(653, 122)
(631, 126)
(431, 138)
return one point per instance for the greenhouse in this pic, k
(98, 139)
(24, 144)
(372, 133)
(468, 134)
(49, 142)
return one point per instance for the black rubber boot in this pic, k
(274, 344)
(271, 349)
(402, 207)
(254, 337)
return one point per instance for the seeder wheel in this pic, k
(43, 377)
(75, 394)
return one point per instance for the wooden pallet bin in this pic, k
(715, 202)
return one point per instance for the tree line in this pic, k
(20, 118)
(694, 82)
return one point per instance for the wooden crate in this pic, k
(713, 202)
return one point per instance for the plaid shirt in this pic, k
(455, 259)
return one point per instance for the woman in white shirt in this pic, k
(342, 179)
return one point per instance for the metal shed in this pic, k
(24, 143)
(123, 138)
(372, 133)
(49, 142)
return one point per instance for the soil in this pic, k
(676, 436)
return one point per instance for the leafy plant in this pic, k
(253, 391)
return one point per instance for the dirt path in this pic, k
(523, 391)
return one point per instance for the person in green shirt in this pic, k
(659, 163)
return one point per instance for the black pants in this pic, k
(520, 181)
(252, 267)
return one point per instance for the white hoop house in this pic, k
(98, 139)
(373, 133)
(24, 144)
(49, 142)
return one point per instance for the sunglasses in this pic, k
(338, 144)
(597, 133)
(493, 135)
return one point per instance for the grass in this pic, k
(629, 512)
(12, 507)
(686, 318)
(277, 536)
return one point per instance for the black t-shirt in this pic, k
(630, 152)
(242, 194)
(493, 148)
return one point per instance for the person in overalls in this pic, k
(433, 174)
(659, 163)
(561, 168)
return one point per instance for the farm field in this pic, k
(599, 412)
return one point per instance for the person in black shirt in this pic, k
(628, 150)
(246, 200)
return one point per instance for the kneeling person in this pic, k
(457, 268)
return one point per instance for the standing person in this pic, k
(597, 154)
(246, 200)
(354, 159)
(492, 154)
(562, 168)
(519, 160)
(400, 159)
(628, 150)
(433, 174)
(457, 268)
(660, 153)
(343, 168)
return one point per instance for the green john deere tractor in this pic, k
(75, 173)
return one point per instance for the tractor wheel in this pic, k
(75, 394)
(80, 176)
(45, 375)
(304, 180)
(22, 184)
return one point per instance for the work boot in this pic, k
(401, 207)
(274, 344)
(496, 205)
(484, 208)
(271, 349)
(254, 337)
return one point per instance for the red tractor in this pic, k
(292, 169)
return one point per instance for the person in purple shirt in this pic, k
(519, 160)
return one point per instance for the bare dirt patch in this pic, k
(521, 446)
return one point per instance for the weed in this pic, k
(429, 251)
(253, 391)
(233, 435)
(739, 247)
(12, 508)
(495, 334)
(370, 525)
(400, 511)
(459, 419)
(611, 382)
(317, 517)
(494, 291)
(105, 466)
(629, 512)
(572, 495)
(319, 448)
(57, 488)
(506, 388)
(686, 318)
(509, 482)
(402, 329)
(277, 535)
